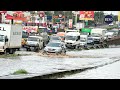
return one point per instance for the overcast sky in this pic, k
(113, 12)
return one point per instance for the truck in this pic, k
(99, 34)
(71, 30)
(83, 40)
(86, 31)
(10, 38)
(72, 39)
(42, 31)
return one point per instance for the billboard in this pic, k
(118, 15)
(86, 15)
(70, 23)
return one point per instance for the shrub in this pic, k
(20, 71)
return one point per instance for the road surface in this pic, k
(39, 65)
(111, 71)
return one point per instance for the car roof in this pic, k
(73, 33)
(36, 37)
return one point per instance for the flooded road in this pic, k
(111, 71)
(35, 64)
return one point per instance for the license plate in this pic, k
(31, 48)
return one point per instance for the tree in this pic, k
(115, 18)
(99, 17)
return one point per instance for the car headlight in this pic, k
(45, 49)
(58, 50)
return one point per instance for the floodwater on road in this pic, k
(111, 71)
(35, 64)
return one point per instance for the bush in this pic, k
(21, 71)
(111, 27)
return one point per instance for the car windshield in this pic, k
(83, 40)
(32, 39)
(90, 39)
(70, 37)
(55, 38)
(84, 33)
(95, 35)
(54, 44)
(61, 36)
(1, 38)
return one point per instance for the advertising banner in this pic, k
(86, 15)
(119, 16)
(70, 23)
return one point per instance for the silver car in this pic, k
(55, 47)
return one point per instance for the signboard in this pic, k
(86, 15)
(118, 15)
(70, 23)
(18, 15)
(108, 19)
(30, 28)
(49, 17)
(88, 30)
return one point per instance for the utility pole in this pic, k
(52, 16)
(75, 18)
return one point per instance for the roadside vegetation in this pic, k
(8, 55)
(111, 27)
(20, 71)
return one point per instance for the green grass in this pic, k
(9, 55)
(20, 71)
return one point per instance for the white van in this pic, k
(83, 40)
(99, 34)
(72, 39)
(68, 30)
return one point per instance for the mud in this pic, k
(53, 55)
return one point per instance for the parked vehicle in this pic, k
(72, 39)
(10, 38)
(34, 42)
(55, 47)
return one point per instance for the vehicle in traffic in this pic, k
(110, 35)
(10, 38)
(72, 39)
(55, 37)
(71, 30)
(61, 35)
(98, 39)
(90, 41)
(55, 47)
(83, 40)
(24, 38)
(116, 31)
(42, 31)
(99, 34)
(34, 42)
